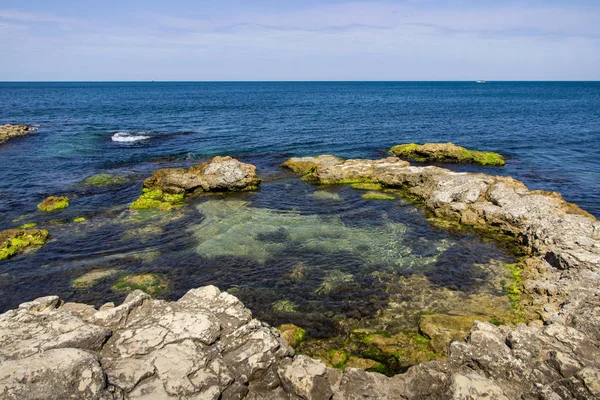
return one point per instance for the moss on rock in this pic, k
(446, 152)
(149, 283)
(54, 203)
(157, 199)
(17, 241)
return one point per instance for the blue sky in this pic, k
(299, 40)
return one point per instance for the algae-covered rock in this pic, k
(293, 334)
(149, 283)
(446, 152)
(157, 199)
(377, 196)
(441, 329)
(17, 241)
(92, 278)
(220, 174)
(8, 131)
(28, 225)
(53, 203)
(79, 220)
(304, 165)
(102, 180)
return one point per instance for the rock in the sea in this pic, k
(54, 203)
(220, 174)
(304, 165)
(18, 241)
(91, 278)
(441, 329)
(446, 152)
(9, 131)
(166, 188)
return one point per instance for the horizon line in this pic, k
(287, 81)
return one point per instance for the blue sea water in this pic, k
(549, 131)
(361, 257)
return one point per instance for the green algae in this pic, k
(103, 180)
(513, 290)
(79, 220)
(28, 225)
(54, 203)
(15, 241)
(149, 283)
(157, 199)
(377, 196)
(367, 186)
(326, 195)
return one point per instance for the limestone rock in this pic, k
(219, 174)
(305, 377)
(8, 131)
(304, 165)
(54, 203)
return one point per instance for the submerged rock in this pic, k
(8, 131)
(54, 203)
(18, 241)
(446, 152)
(150, 283)
(91, 278)
(443, 329)
(102, 180)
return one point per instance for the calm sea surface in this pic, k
(292, 252)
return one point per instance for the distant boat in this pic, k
(481, 81)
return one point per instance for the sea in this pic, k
(321, 257)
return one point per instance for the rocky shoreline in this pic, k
(206, 345)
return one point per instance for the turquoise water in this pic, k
(292, 252)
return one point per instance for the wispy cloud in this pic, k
(344, 40)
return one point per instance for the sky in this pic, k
(224, 40)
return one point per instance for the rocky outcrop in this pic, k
(167, 188)
(446, 152)
(218, 175)
(9, 131)
(18, 241)
(206, 345)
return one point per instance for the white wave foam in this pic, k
(126, 137)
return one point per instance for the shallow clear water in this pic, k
(292, 252)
